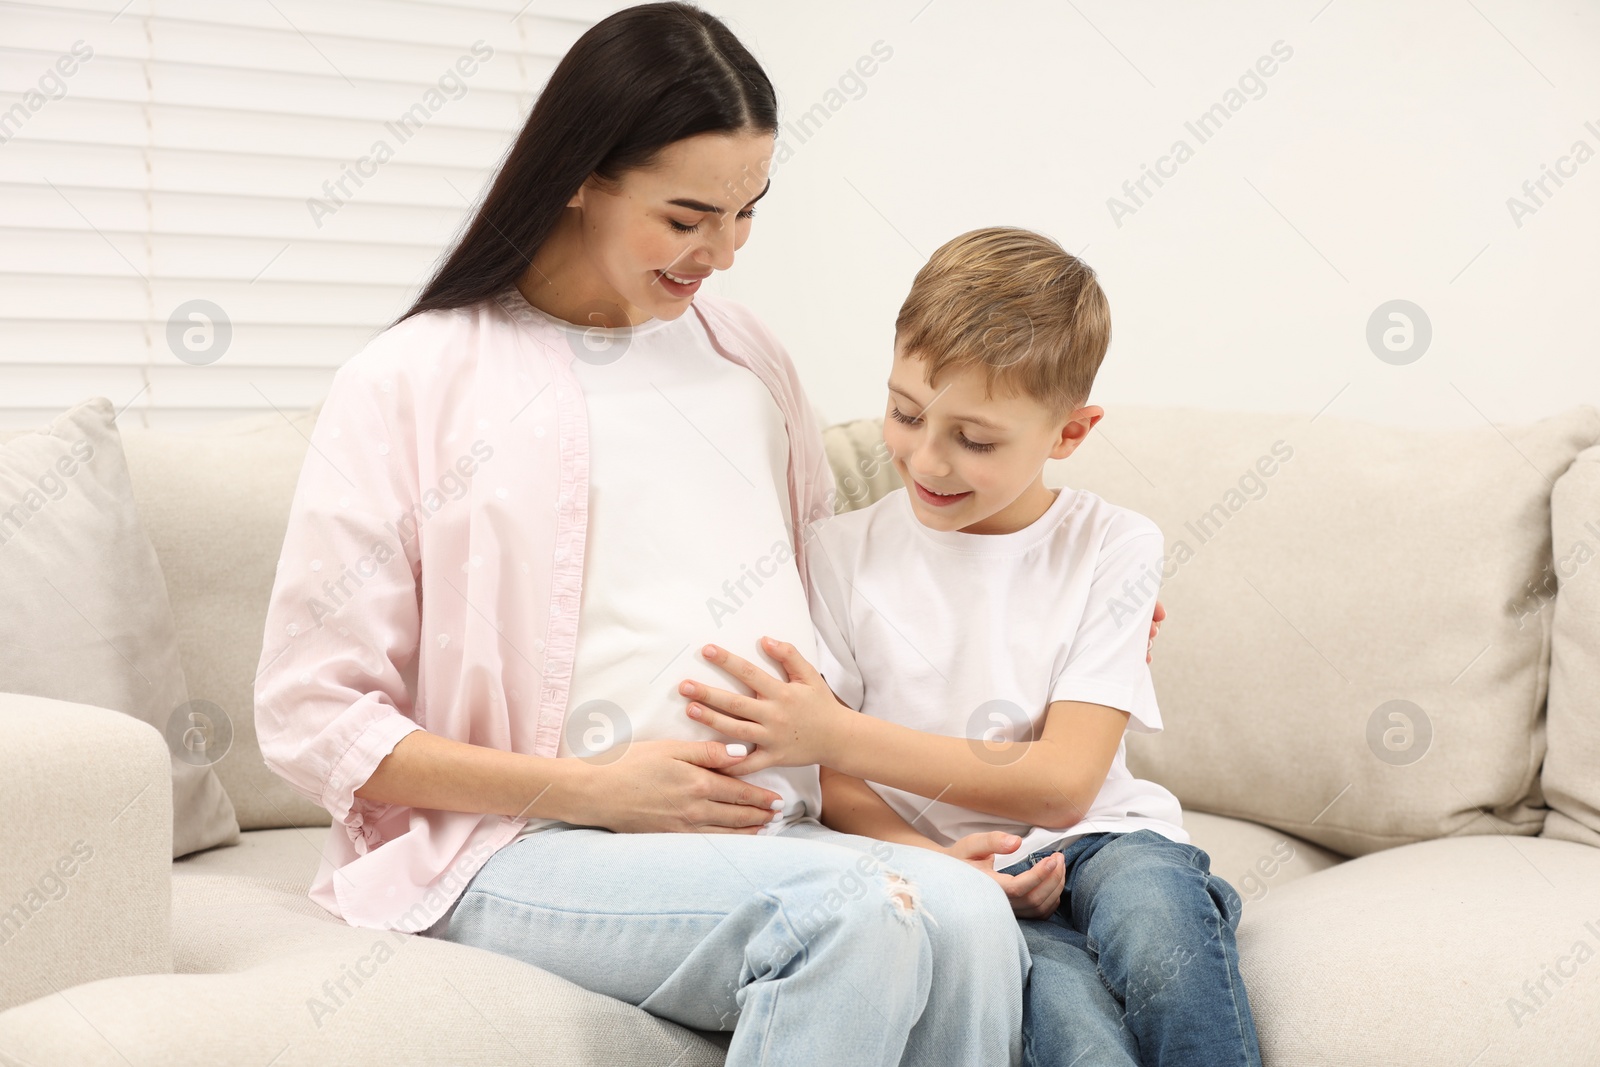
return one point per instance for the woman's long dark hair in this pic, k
(637, 81)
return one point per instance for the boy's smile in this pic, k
(939, 500)
(970, 461)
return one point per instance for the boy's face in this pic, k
(972, 462)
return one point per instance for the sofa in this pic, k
(1380, 674)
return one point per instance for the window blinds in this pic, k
(206, 206)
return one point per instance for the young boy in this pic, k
(991, 632)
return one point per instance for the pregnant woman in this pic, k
(518, 503)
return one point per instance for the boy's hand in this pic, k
(792, 723)
(1035, 893)
(1155, 628)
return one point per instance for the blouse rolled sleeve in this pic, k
(339, 655)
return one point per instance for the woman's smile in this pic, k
(681, 286)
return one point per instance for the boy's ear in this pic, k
(1075, 429)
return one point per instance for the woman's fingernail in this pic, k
(709, 651)
(738, 750)
(777, 805)
(687, 689)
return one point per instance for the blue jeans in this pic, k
(1138, 965)
(811, 946)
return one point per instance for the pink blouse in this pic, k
(431, 575)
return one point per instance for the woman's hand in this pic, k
(677, 787)
(1035, 893)
(792, 723)
(1155, 628)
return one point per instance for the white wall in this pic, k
(1375, 165)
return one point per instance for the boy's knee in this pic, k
(1229, 904)
(1141, 866)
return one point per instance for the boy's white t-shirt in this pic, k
(688, 541)
(974, 635)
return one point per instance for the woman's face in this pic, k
(646, 242)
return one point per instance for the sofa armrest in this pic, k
(85, 847)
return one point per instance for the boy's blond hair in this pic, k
(1015, 303)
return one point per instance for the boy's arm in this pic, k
(1050, 782)
(851, 806)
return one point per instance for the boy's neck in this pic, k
(1019, 514)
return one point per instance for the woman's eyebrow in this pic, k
(712, 209)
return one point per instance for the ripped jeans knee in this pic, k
(903, 894)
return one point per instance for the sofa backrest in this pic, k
(1357, 648)
(1360, 616)
(215, 503)
(1570, 592)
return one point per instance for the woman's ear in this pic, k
(592, 182)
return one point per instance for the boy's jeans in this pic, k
(824, 948)
(1138, 965)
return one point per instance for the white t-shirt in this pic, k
(688, 540)
(974, 635)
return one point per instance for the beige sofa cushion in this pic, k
(1476, 951)
(87, 618)
(266, 976)
(216, 503)
(1343, 659)
(85, 847)
(1572, 765)
(1256, 860)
